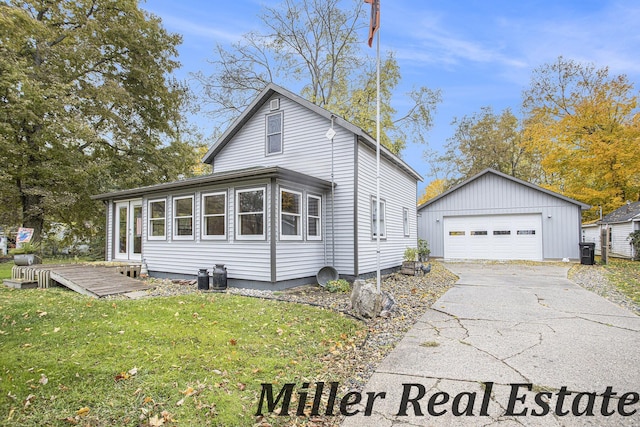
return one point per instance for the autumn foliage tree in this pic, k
(434, 189)
(585, 127)
(86, 106)
(488, 140)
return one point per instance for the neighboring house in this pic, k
(620, 223)
(266, 209)
(495, 216)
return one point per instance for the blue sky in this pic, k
(478, 53)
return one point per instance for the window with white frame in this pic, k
(250, 214)
(214, 215)
(314, 215)
(183, 217)
(374, 218)
(290, 215)
(157, 219)
(274, 133)
(405, 221)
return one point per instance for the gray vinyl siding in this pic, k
(300, 258)
(491, 194)
(305, 150)
(244, 259)
(398, 191)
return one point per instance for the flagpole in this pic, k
(378, 212)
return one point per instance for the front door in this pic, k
(128, 231)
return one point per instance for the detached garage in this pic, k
(495, 216)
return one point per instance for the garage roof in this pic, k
(583, 206)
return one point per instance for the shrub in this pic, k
(410, 254)
(340, 285)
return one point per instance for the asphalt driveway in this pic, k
(510, 344)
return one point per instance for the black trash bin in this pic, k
(587, 253)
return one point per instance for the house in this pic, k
(267, 211)
(619, 224)
(495, 216)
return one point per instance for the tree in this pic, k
(85, 106)
(585, 127)
(434, 189)
(486, 140)
(316, 43)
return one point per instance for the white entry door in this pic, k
(495, 237)
(128, 231)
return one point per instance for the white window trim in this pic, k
(299, 215)
(264, 215)
(383, 228)
(175, 219)
(406, 227)
(150, 220)
(267, 134)
(203, 233)
(319, 217)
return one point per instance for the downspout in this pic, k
(333, 205)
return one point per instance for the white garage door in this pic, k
(497, 237)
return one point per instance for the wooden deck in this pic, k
(93, 280)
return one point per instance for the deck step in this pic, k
(21, 283)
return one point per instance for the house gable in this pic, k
(304, 123)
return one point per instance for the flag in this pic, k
(374, 25)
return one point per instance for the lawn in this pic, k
(626, 276)
(190, 360)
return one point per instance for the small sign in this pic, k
(330, 134)
(24, 235)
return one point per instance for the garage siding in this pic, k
(492, 194)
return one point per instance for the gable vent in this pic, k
(274, 104)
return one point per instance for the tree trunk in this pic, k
(32, 213)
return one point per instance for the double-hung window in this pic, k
(290, 215)
(250, 213)
(214, 215)
(157, 219)
(314, 223)
(405, 221)
(374, 218)
(183, 218)
(274, 133)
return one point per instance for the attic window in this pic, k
(274, 133)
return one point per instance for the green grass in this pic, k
(625, 275)
(5, 270)
(200, 359)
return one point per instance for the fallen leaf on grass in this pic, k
(233, 341)
(56, 329)
(122, 376)
(28, 400)
(83, 412)
(41, 313)
(188, 392)
(155, 421)
(43, 379)
(133, 371)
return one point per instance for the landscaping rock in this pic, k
(366, 300)
(388, 304)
